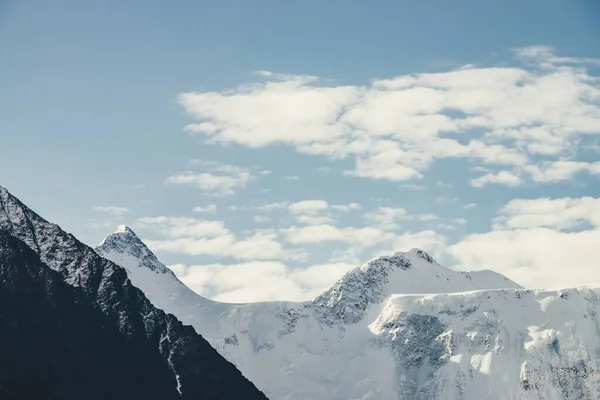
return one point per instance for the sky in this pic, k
(262, 149)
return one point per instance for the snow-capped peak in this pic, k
(158, 282)
(124, 247)
(124, 229)
(412, 272)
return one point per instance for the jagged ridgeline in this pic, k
(72, 326)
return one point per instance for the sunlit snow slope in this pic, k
(500, 344)
(398, 327)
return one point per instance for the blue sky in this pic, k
(313, 135)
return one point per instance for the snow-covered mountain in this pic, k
(360, 339)
(73, 326)
(498, 344)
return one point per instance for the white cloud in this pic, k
(196, 237)
(264, 273)
(274, 206)
(259, 280)
(533, 243)
(545, 54)
(308, 206)
(274, 280)
(310, 212)
(386, 217)
(260, 246)
(292, 178)
(431, 241)
(469, 206)
(315, 219)
(219, 179)
(394, 129)
(328, 233)
(177, 227)
(536, 257)
(446, 227)
(263, 73)
(346, 207)
(210, 209)
(447, 200)
(502, 177)
(410, 186)
(549, 213)
(113, 210)
(559, 170)
(261, 219)
(426, 217)
(289, 111)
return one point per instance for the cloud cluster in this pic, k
(539, 243)
(210, 209)
(215, 178)
(518, 125)
(260, 280)
(523, 122)
(387, 218)
(267, 264)
(275, 280)
(564, 213)
(542, 242)
(196, 237)
(309, 212)
(112, 210)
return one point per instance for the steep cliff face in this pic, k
(182, 363)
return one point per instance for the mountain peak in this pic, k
(125, 229)
(125, 248)
(416, 253)
(411, 272)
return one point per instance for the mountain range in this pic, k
(397, 327)
(114, 322)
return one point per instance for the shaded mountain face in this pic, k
(73, 326)
(321, 349)
(56, 344)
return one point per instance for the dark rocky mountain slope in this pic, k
(72, 326)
